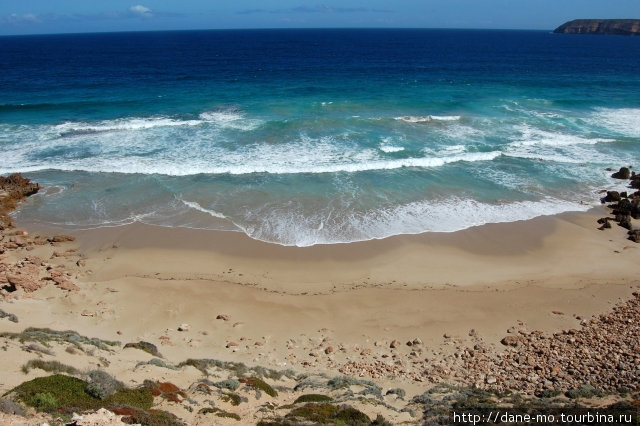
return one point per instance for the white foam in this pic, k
(230, 119)
(427, 118)
(220, 119)
(71, 128)
(391, 148)
(293, 228)
(196, 206)
(131, 153)
(625, 121)
(536, 137)
(445, 117)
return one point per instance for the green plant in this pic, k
(259, 384)
(319, 413)
(232, 398)
(44, 401)
(312, 397)
(67, 391)
(139, 397)
(352, 417)
(147, 347)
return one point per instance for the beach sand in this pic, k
(316, 309)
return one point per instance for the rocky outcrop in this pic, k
(625, 206)
(13, 189)
(600, 26)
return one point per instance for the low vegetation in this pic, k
(147, 347)
(45, 336)
(10, 317)
(49, 366)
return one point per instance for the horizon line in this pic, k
(273, 29)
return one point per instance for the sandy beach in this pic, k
(386, 310)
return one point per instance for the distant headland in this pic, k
(600, 26)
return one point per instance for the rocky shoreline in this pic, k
(624, 206)
(594, 365)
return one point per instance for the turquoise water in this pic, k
(301, 137)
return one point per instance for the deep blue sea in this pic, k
(303, 137)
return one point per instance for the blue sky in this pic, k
(62, 16)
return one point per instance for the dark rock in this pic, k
(612, 197)
(625, 222)
(623, 173)
(634, 235)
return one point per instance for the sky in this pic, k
(72, 16)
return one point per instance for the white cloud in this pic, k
(141, 11)
(17, 19)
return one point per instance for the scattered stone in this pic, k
(417, 341)
(328, 350)
(231, 344)
(223, 317)
(510, 341)
(184, 327)
(87, 313)
(61, 238)
(394, 344)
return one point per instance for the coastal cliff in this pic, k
(600, 26)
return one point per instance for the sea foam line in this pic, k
(130, 165)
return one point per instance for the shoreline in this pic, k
(551, 249)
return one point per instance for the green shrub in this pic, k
(147, 347)
(139, 397)
(226, 414)
(232, 398)
(319, 413)
(352, 417)
(312, 397)
(148, 418)
(67, 391)
(584, 391)
(44, 401)
(259, 384)
(71, 393)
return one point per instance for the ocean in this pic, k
(303, 137)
